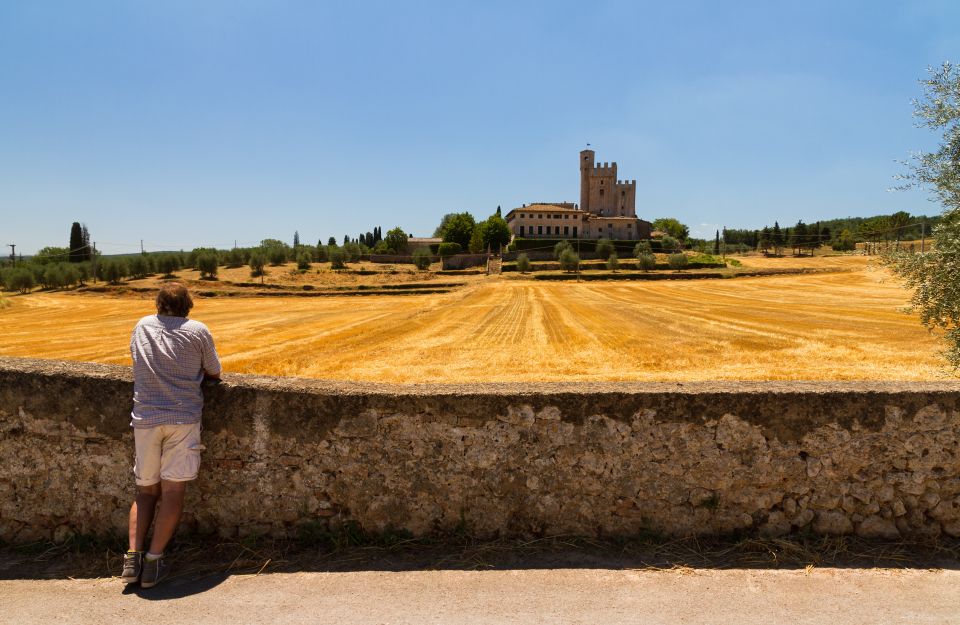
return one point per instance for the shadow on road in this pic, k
(198, 564)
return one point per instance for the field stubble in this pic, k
(833, 326)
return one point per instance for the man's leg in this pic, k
(168, 514)
(141, 515)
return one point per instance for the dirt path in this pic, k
(567, 596)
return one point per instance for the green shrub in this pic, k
(303, 261)
(605, 248)
(208, 264)
(321, 254)
(53, 276)
(523, 263)
(647, 262)
(569, 260)
(257, 261)
(613, 263)
(338, 258)
(677, 261)
(449, 249)
(422, 258)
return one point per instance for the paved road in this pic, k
(554, 597)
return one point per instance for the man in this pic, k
(171, 357)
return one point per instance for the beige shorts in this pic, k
(167, 452)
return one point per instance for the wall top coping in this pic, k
(118, 373)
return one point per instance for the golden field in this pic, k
(828, 326)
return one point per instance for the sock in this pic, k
(153, 556)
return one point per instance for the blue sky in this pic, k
(201, 123)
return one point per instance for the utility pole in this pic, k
(723, 245)
(578, 250)
(93, 262)
(13, 252)
(923, 235)
(141, 246)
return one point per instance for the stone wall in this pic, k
(504, 459)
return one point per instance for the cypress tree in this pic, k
(716, 243)
(296, 239)
(76, 243)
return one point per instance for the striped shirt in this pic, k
(170, 356)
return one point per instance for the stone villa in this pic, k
(607, 209)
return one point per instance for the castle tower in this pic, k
(586, 166)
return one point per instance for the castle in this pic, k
(607, 209)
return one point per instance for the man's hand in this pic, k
(211, 378)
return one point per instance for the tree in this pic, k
(716, 244)
(422, 258)
(396, 241)
(844, 242)
(257, 262)
(523, 263)
(331, 242)
(303, 260)
(346, 239)
(139, 267)
(20, 279)
(114, 270)
(647, 262)
(669, 244)
(235, 257)
(764, 239)
(352, 252)
(167, 264)
(338, 258)
(477, 237)
(898, 221)
(604, 249)
(672, 227)
(776, 238)
(296, 239)
(559, 248)
(85, 235)
(48, 255)
(277, 256)
(612, 262)
(496, 233)
(457, 228)
(76, 243)
(641, 248)
(932, 275)
(208, 264)
(798, 238)
(677, 261)
(449, 248)
(569, 260)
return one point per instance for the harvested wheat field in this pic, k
(831, 326)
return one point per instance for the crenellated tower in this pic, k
(586, 166)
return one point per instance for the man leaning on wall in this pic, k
(172, 356)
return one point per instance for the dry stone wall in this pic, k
(875, 459)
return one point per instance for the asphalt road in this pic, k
(548, 596)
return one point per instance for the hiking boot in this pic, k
(132, 566)
(153, 572)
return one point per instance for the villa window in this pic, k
(521, 230)
(539, 229)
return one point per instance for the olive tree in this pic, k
(569, 260)
(523, 263)
(934, 275)
(422, 258)
(605, 248)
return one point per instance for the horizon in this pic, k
(190, 126)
